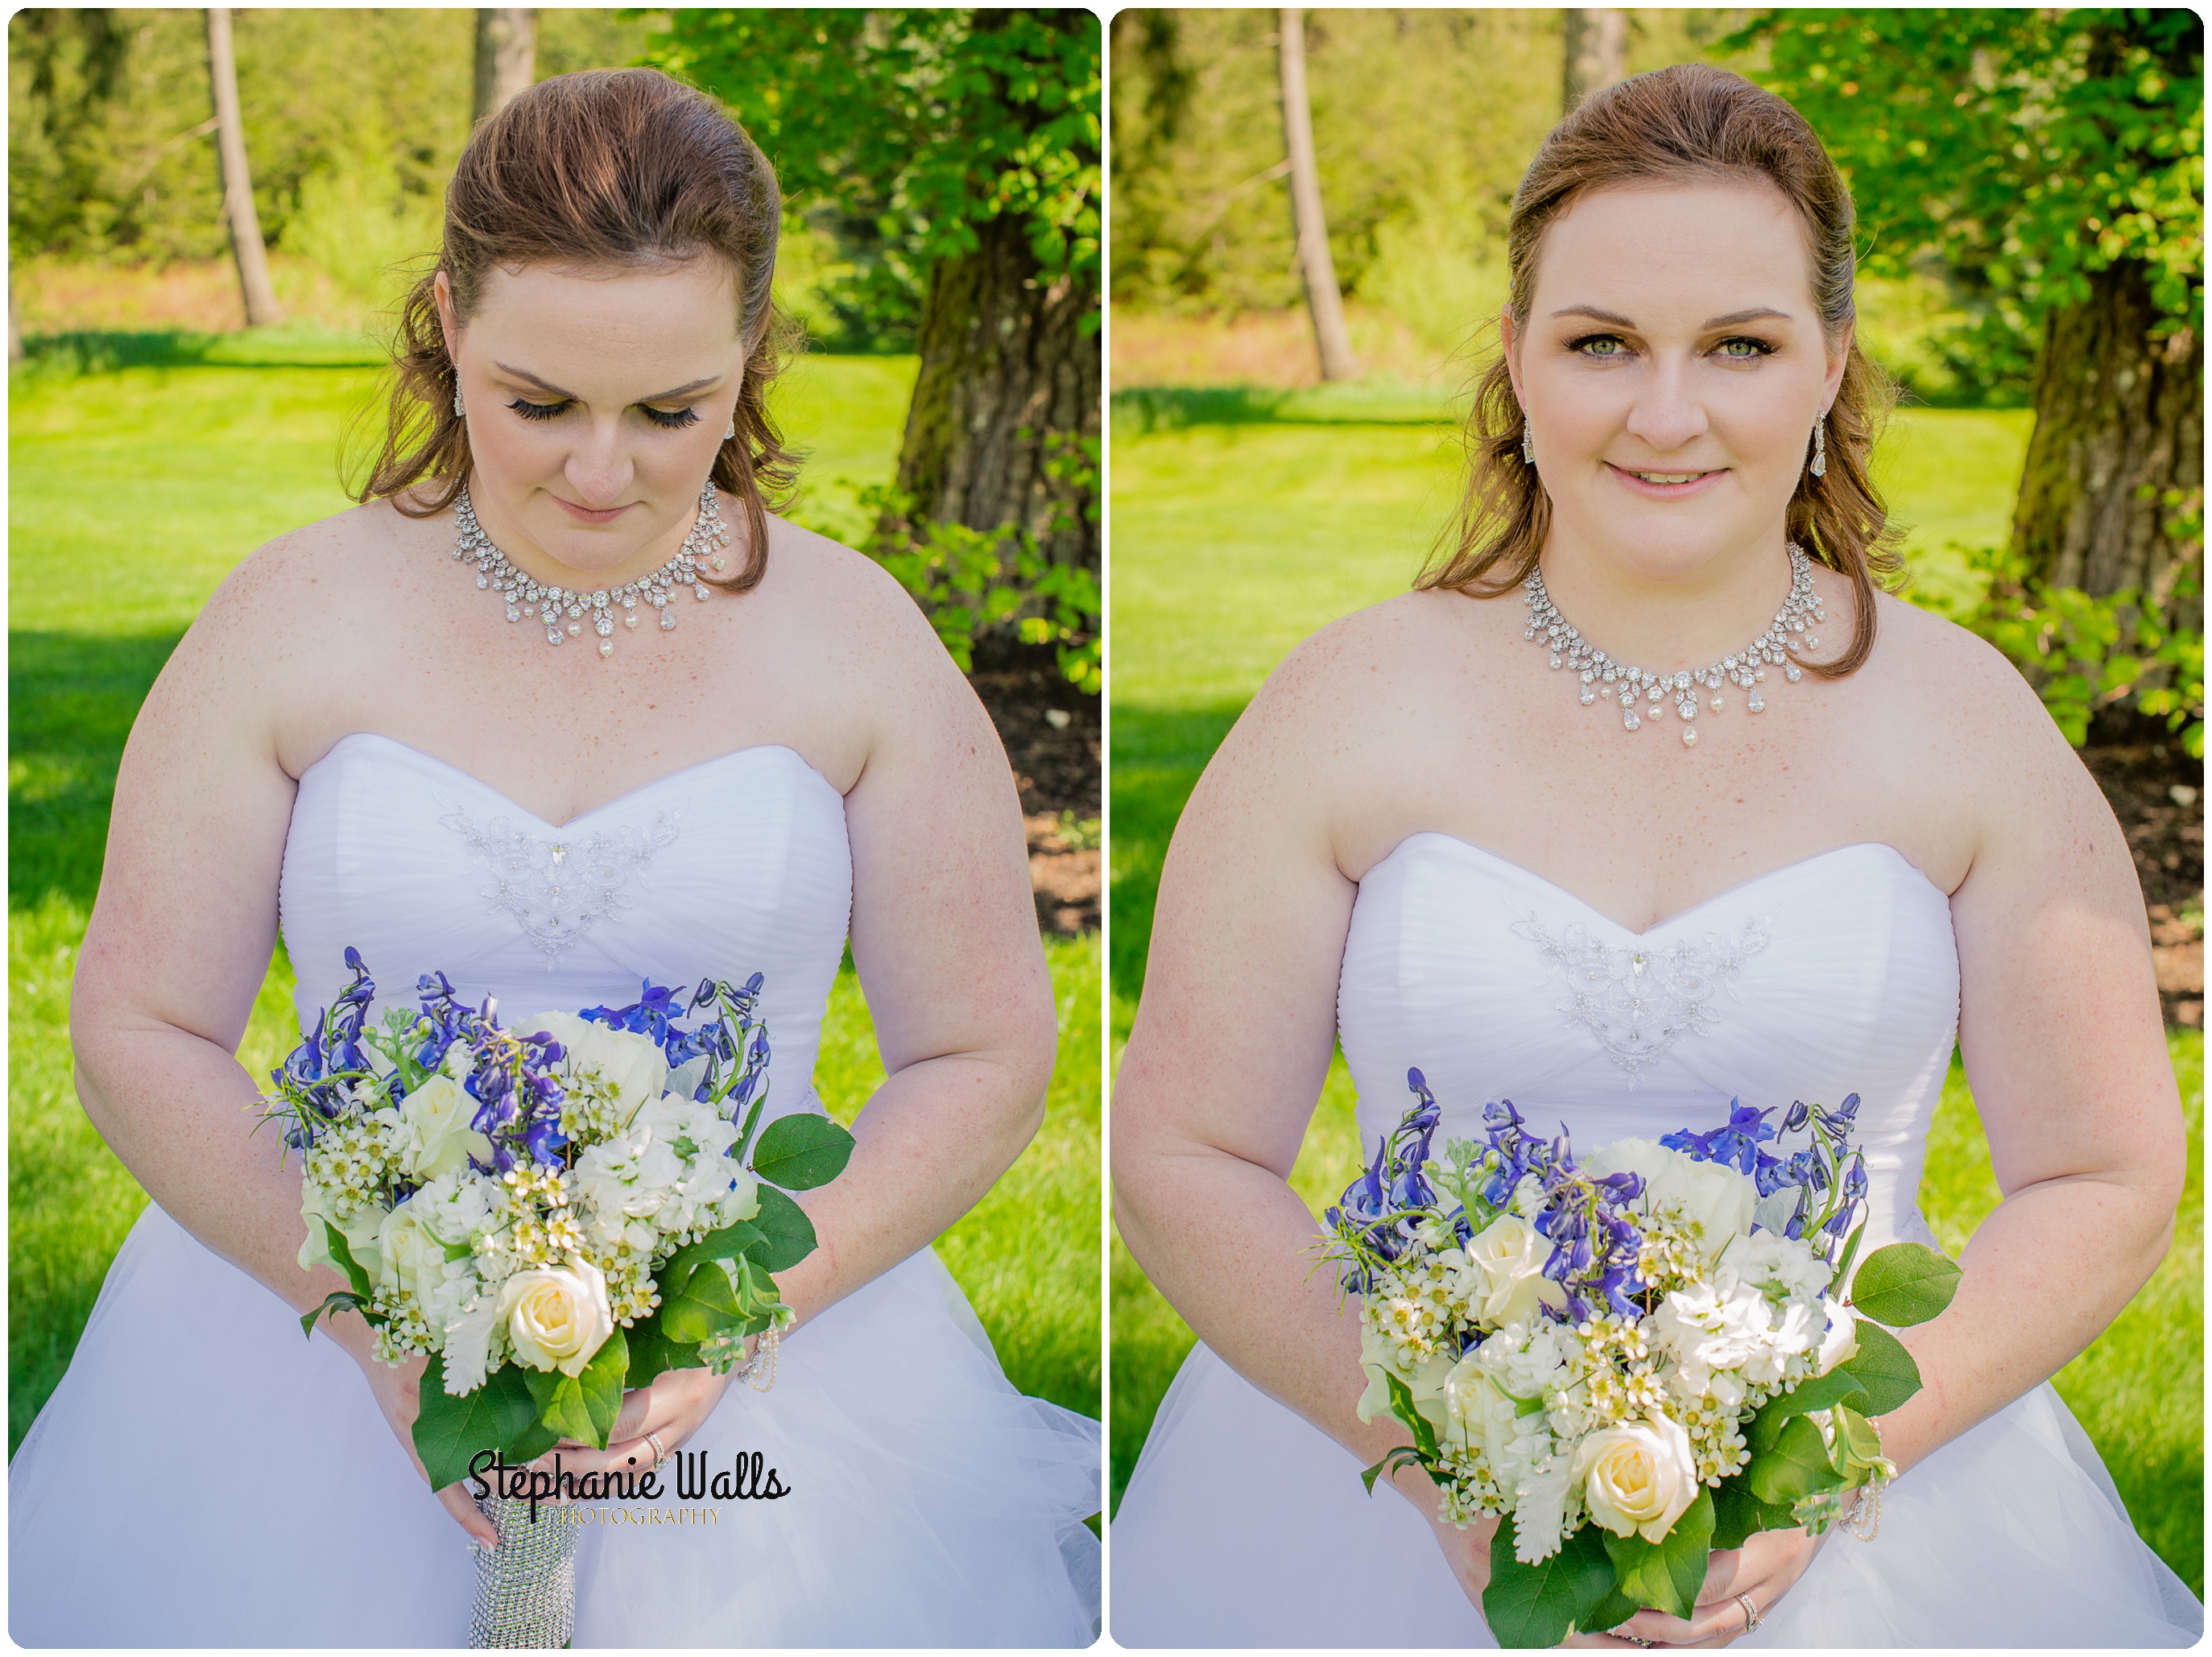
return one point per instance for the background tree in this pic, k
(2051, 162)
(507, 56)
(1596, 42)
(971, 139)
(262, 310)
(1324, 300)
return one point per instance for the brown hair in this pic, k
(610, 168)
(1688, 123)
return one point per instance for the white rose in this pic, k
(1638, 1480)
(621, 1066)
(1510, 1257)
(557, 1318)
(413, 1260)
(435, 1135)
(1721, 1200)
(1841, 1343)
(358, 1230)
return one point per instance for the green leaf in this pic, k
(802, 1151)
(343, 1257)
(1884, 1367)
(1396, 1459)
(337, 1300)
(1532, 1606)
(652, 1353)
(1403, 1407)
(707, 1307)
(1798, 1465)
(1738, 1514)
(449, 1431)
(790, 1234)
(583, 1406)
(560, 1401)
(1860, 1443)
(1904, 1284)
(1665, 1574)
(731, 1241)
(1851, 1252)
(1838, 1386)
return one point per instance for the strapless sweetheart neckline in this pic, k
(1679, 915)
(627, 798)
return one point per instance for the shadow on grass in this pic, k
(64, 355)
(71, 699)
(1157, 754)
(1142, 409)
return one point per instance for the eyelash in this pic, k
(1760, 346)
(673, 422)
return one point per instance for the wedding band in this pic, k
(660, 1450)
(1750, 1612)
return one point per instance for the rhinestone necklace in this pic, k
(563, 611)
(1602, 676)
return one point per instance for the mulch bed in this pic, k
(1051, 730)
(2154, 789)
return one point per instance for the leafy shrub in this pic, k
(968, 582)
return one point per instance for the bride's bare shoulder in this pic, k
(1370, 664)
(324, 569)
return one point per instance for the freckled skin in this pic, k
(364, 622)
(1430, 712)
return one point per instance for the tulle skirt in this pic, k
(1245, 1526)
(204, 1476)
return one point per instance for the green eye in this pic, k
(1744, 350)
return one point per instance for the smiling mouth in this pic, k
(1666, 477)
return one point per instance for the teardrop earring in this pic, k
(1821, 446)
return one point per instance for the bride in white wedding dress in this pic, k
(360, 740)
(1621, 900)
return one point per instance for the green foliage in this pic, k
(1535, 1606)
(801, 1152)
(2083, 654)
(1883, 1368)
(1665, 1574)
(1906, 1283)
(450, 1431)
(922, 122)
(970, 582)
(582, 1406)
(2024, 150)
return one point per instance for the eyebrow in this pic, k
(1733, 318)
(551, 390)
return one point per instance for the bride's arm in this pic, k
(1231, 1043)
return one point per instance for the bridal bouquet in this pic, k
(1632, 1357)
(553, 1211)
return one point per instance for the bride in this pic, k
(1422, 840)
(361, 740)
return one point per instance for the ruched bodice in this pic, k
(1833, 975)
(734, 866)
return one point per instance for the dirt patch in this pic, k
(2155, 791)
(1051, 732)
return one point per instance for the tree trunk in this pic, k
(1324, 301)
(507, 56)
(2113, 490)
(262, 310)
(1005, 370)
(1596, 54)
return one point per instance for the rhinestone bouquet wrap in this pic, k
(553, 1213)
(1632, 1357)
(525, 1587)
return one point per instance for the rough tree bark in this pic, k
(507, 56)
(1005, 368)
(262, 310)
(1324, 300)
(2118, 440)
(1596, 54)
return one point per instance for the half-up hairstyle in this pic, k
(1689, 123)
(606, 169)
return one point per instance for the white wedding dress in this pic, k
(204, 1476)
(1245, 1526)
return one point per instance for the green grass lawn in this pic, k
(1244, 521)
(133, 493)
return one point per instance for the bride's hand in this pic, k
(393, 1387)
(1764, 1567)
(1467, 1552)
(674, 1405)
